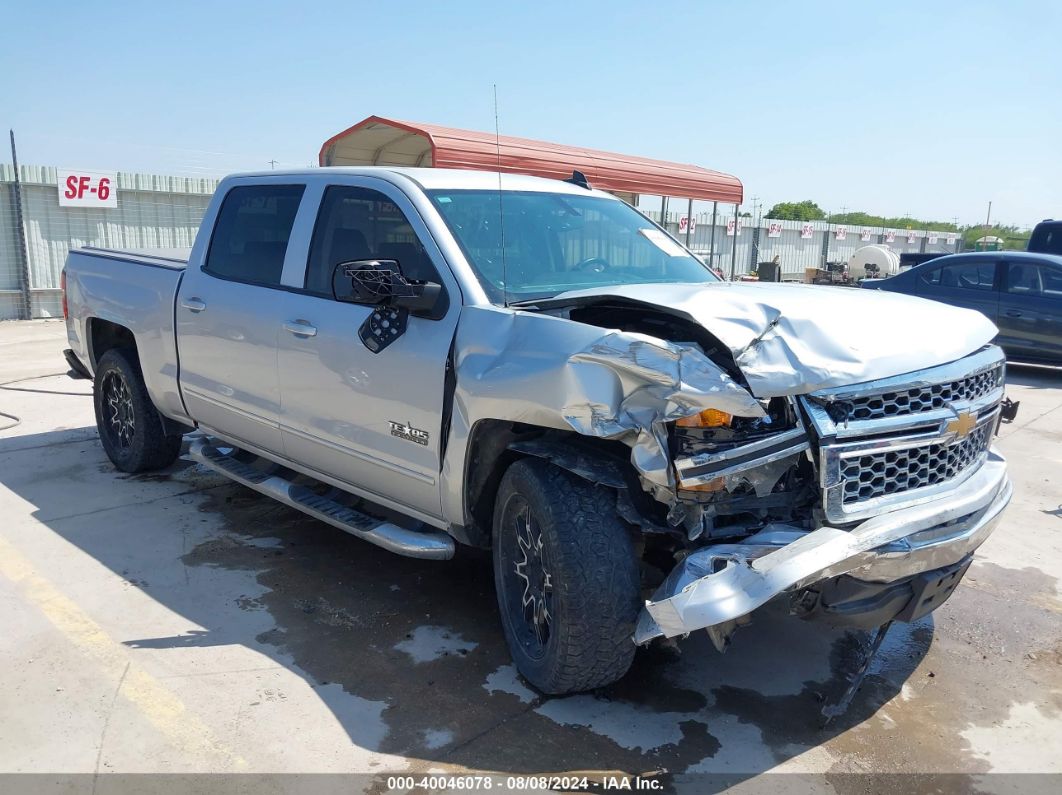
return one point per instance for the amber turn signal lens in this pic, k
(712, 485)
(709, 418)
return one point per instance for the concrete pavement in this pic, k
(176, 622)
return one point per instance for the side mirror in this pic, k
(379, 282)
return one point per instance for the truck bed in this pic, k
(134, 289)
(173, 258)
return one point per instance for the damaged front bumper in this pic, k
(717, 587)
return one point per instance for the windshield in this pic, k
(554, 242)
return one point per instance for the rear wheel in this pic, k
(129, 425)
(567, 579)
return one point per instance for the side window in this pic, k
(251, 233)
(1023, 278)
(931, 276)
(1051, 281)
(361, 223)
(977, 276)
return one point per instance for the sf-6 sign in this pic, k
(87, 188)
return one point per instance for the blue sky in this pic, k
(929, 108)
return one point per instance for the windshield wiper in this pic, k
(528, 301)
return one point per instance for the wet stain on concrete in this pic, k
(342, 610)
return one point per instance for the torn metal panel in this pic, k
(790, 339)
(551, 372)
(748, 459)
(765, 477)
(719, 584)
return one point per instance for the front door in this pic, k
(229, 313)
(372, 420)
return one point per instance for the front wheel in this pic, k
(130, 428)
(566, 574)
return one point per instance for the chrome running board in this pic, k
(273, 482)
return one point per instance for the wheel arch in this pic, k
(104, 335)
(494, 445)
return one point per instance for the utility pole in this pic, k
(826, 240)
(755, 252)
(23, 249)
(711, 243)
(988, 226)
(272, 165)
(733, 248)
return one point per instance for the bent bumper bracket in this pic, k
(722, 583)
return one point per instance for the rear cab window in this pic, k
(250, 237)
(1046, 238)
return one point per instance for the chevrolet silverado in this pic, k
(428, 358)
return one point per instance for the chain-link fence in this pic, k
(798, 245)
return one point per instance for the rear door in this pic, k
(1030, 312)
(371, 420)
(228, 314)
(969, 283)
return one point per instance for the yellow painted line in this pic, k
(164, 710)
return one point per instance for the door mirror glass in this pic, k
(380, 282)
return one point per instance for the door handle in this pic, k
(193, 305)
(301, 328)
(1013, 313)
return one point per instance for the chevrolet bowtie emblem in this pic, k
(962, 424)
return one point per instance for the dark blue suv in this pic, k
(1019, 291)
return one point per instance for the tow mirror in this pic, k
(379, 283)
(376, 282)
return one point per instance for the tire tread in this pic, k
(155, 449)
(594, 556)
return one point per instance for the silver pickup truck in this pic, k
(426, 358)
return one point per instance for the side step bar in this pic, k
(428, 545)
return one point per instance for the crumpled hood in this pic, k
(790, 339)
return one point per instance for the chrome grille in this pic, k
(906, 439)
(866, 477)
(918, 399)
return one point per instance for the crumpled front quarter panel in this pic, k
(543, 370)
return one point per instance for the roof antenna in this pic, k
(501, 212)
(579, 178)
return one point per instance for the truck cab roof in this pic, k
(441, 179)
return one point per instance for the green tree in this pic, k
(860, 218)
(1014, 239)
(806, 210)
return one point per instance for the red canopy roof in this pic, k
(386, 142)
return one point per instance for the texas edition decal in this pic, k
(409, 433)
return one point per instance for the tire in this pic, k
(129, 425)
(579, 571)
